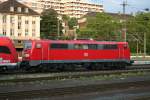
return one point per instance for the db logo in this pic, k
(86, 54)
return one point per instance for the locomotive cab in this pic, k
(8, 54)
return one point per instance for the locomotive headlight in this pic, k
(26, 55)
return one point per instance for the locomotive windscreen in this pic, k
(27, 45)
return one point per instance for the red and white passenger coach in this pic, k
(63, 53)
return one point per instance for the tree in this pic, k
(49, 24)
(65, 18)
(137, 28)
(72, 22)
(101, 27)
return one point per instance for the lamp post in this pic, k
(145, 43)
(75, 31)
(124, 4)
(58, 26)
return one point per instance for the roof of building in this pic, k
(5, 8)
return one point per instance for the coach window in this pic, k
(58, 46)
(5, 50)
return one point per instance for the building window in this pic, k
(11, 32)
(33, 34)
(12, 9)
(33, 30)
(26, 22)
(4, 32)
(26, 32)
(19, 25)
(12, 19)
(4, 19)
(19, 17)
(19, 34)
(26, 10)
(33, 22)
(19, 9)
(34, 4)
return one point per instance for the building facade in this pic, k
(33, 4)
(79, 8)
(72, 8)
(19, 22)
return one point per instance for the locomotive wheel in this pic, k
(121, 66)
(3, 69)
(60, 67)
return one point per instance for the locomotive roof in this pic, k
(81, 41)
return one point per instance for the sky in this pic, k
(115, 7)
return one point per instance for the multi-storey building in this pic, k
(18, 21)
(72, 8)
(33, 4)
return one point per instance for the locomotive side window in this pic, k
(85, 46)
(58, 46)
(81, 46)
(78, 46)
(100, 46)
(93, 46)
(4, 49)
(110, 46)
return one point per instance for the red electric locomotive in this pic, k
(8, 54)
(61, 54)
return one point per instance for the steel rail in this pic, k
(65, 75)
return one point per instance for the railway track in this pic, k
(68, 87)
(27, 77)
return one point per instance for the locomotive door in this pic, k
(44, 52)
(121, 51)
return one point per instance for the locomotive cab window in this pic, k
(5, 50)
(58, 46)
(27, 45)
